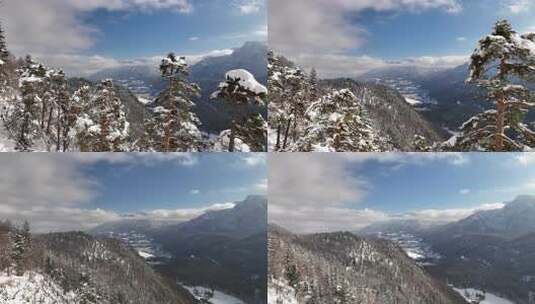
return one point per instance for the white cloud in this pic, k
(83, 65)
(262, 185)
(194, 38)
(453, 158)
(254, 159)
(464, 191)
(247, 7)
(525, 159)
(308, 191)
(57, 27)
(338, 65)
(54, 192)
(185, 159)
(326, 27)
(176, 215)
(195, 191)
(461, 39)
(323, 39)
(519, 6)
(317, 192)
(449, 215)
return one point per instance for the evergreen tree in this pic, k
(502, 128)
(241, 91)
(4, 53)
(287, 100)
(82, 117)
(112, 130)
(24, 119)
(21, 245)
(313, 85)
(87, 294)
(337, 123)
(174, 122)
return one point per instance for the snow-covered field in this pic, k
(218, 297)
(32, 288)
(470, 294)
(413, 246)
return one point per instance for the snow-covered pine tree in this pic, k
(502, 59)
(60, 110)
(111, 133)
(240, 91)
(82, 117)
(23, 121)
(86, 293)
(253, 132)
(4, 53)
(313, 90)
(287, 100)
(174, 121)
(21, 244)
(336, 122)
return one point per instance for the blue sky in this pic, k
(349, 38)
(81, 190)
(211, 25)
(214, 178)
(436, 32)
(325, 192)
(83, 36)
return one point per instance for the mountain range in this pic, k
(223, 249)
(492, 250)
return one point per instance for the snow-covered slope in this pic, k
(33, 287)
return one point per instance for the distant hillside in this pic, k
(343, 268)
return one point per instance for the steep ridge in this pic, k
(343, 268)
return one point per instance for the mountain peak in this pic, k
(525, 199)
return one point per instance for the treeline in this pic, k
(43, 110)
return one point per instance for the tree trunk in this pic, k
(278, 144)
(58, 131)
(286, 132)
(231, 144)
(500, 124)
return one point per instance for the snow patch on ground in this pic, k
(218, 296)
(32, 288)
(412, 101)
(470, 294)
(280, 292)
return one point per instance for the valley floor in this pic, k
(469, 294)
(218, 297)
